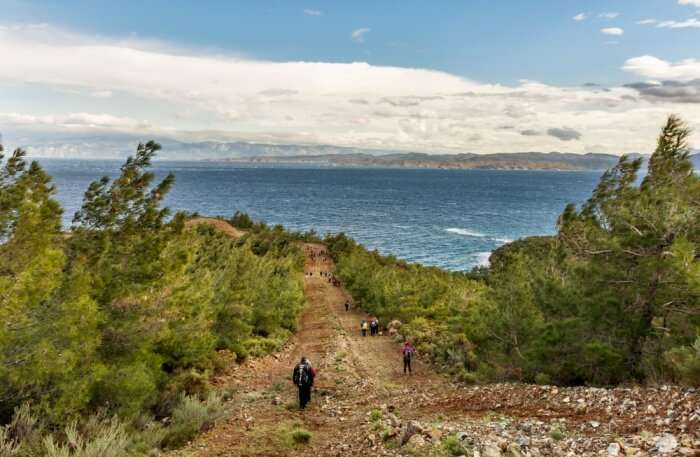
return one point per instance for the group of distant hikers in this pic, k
(304, 373)
(373, 326)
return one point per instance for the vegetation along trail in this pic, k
(363, 404)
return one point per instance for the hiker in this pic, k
(303, 377)
(347, 306)
(363, 328)
(374, 326)
(407, 351)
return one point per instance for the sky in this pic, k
(438, 77)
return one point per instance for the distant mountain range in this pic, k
(502, 161)
(120, 146)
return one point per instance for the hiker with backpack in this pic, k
(407, 351)
(363, 328)
(303, 377)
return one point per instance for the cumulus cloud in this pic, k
(615, 31)
(358, 35)
(346, 104)
(610, 15)
(676, 91)
(564, 133)
(310, 12)
(580, 17)
(689, 2)
(647, 21)
(658, 69)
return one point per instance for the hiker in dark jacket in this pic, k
(407, 351)
(303, 377)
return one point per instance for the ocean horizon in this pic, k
(452, 219)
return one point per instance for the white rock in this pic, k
(614, 449)
(666, 443)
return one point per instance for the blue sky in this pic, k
(486, 44)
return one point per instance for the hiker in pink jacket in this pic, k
(407, 351)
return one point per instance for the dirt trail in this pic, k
(355, 374)
(359, 374)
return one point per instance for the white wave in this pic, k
(482, 258)
(465, 232)
(503, 240)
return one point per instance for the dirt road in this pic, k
(361, 392)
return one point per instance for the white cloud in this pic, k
(608, 15)
(359, 34)
(647, 21)
(615, 31)
(345, 104)
(74, 120)
(102, 93)
(689, 23)
(580, 17)
(651, 67)
(310, 12)
(689, 2)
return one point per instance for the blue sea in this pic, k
(448, 218)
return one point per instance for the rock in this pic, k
(594, 424)
(522, 440)
(435, 435)
(490, 450)
(651, 410)
(613, 449)
(393, 420)
(417, 440)
(666, 443)
(514, 450)
(409, 429)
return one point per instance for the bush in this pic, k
(453, 446)
(242, 221)
(685, 363)
(467, 377)
(301, 436)
(109, 440)
(8, 446)
(543, 379)
(192, 416)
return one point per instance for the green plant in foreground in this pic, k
(301, 436)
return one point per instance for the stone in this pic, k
(409, 429)
(417, 441)
(514, 450)
(490, 450)
(613, 449)
(666, 443)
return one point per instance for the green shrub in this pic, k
(543, 379)
(8, 446)
(685, 363)
(557, 435)
(192, 416)
(375, 415)
(110, 439)
(467, 377)
(453, 446)
(301, 436)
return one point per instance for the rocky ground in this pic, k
(364, 405)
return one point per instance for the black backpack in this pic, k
(302, 377)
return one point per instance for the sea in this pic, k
(452, 219)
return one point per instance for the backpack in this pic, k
(407, 352)
(301, 375)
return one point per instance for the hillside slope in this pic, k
(364, 405)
